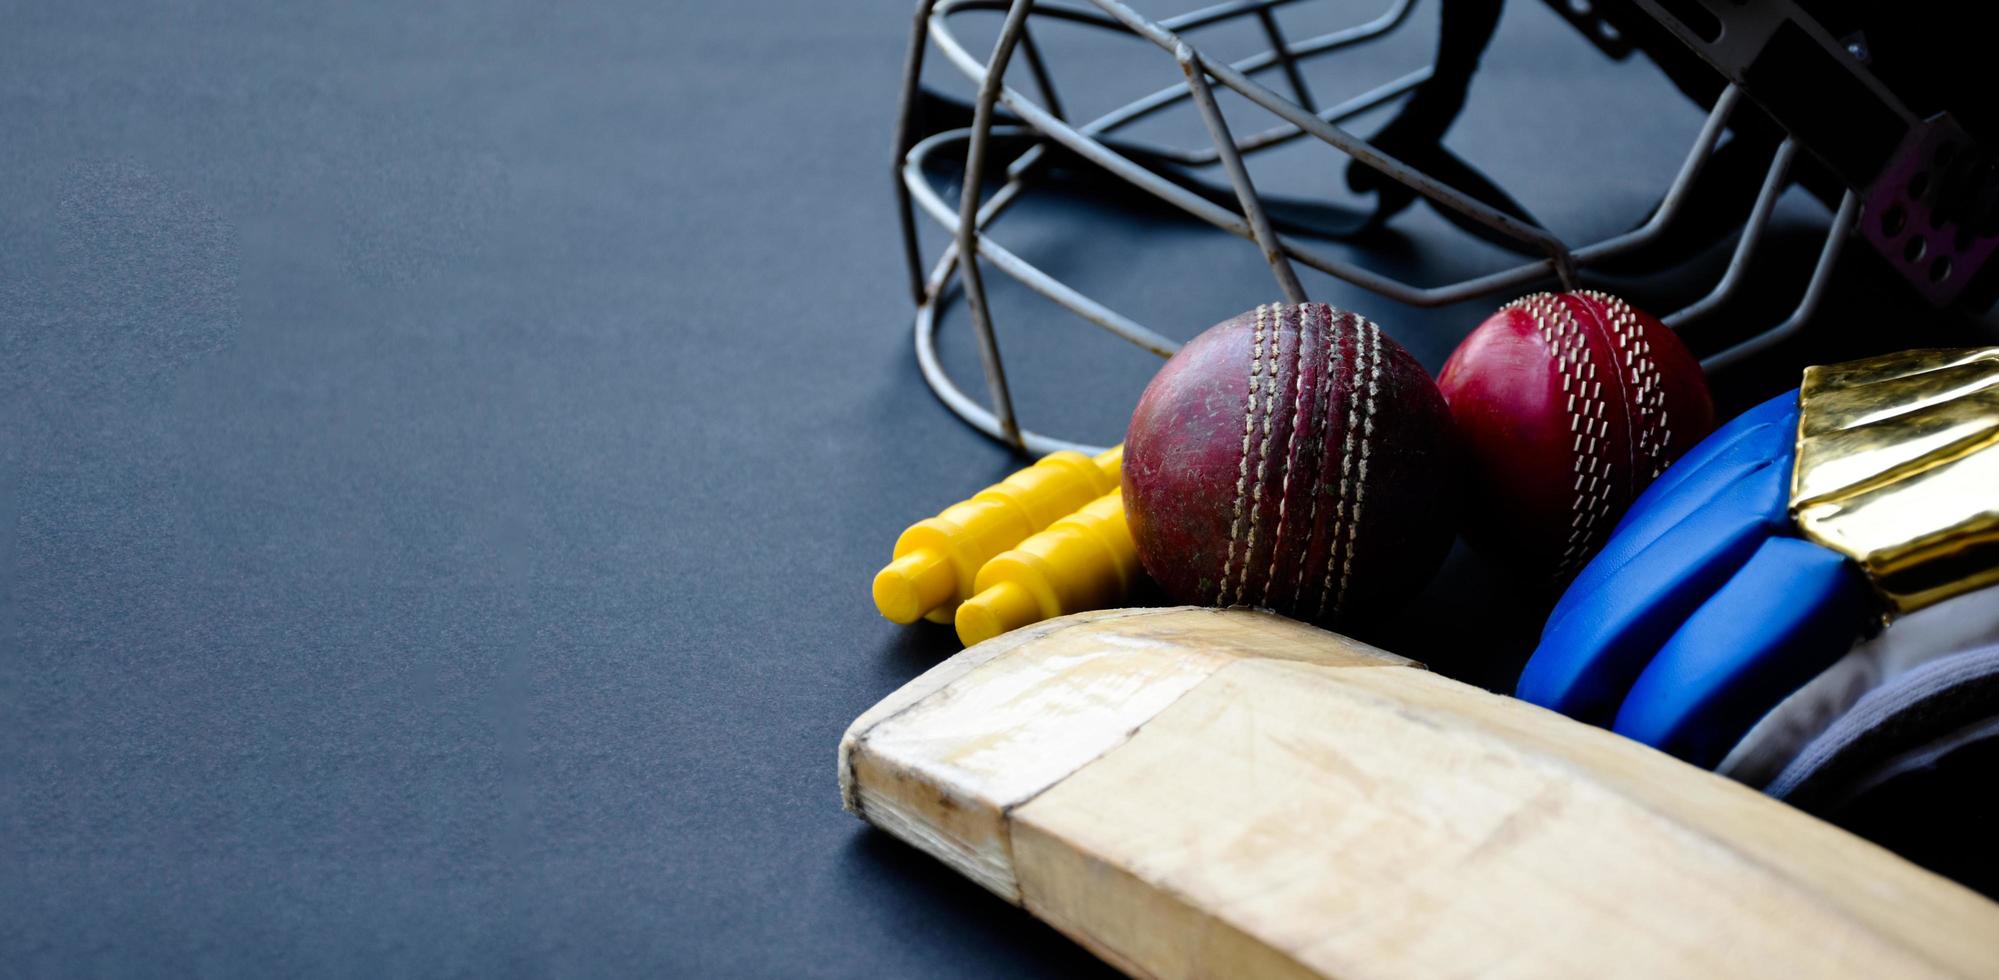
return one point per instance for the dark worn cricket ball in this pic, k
(1568, 405)
(1293, 458)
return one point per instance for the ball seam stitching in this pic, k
(1290, 446)
(1577, 367)
(1366, 448)
(1242, 463)
(1650, 397)
(1333, 552)
(1270, 386)
(1605, 314)
(1321, 394)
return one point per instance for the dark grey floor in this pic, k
(445, 447)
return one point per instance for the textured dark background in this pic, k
(445, 448)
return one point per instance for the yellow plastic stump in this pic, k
(1084, 561)
(937, 560)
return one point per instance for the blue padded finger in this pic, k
(1587, 661)
(1766, 432)
(1792, 610)
(1780, 412)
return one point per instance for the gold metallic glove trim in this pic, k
(1898, 469)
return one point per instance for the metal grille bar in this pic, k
(1095, 141)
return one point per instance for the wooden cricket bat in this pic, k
(1200, 793)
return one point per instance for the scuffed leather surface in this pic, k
(1520, 428)
(1267, 504)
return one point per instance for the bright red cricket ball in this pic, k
(1293, 458)
(1568, 405)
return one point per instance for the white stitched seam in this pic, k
(1588, 426)
(1358, 326)
(1316, 441)
(1270, 386)
(1242, 466)
(1290, 446)
(1649, 398)
(1360, 482)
